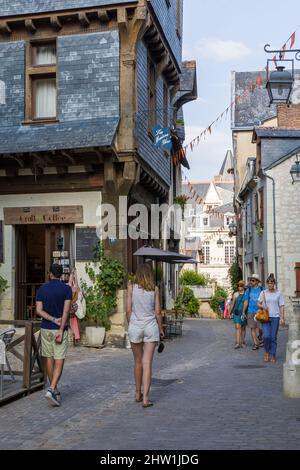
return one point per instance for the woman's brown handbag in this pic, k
(263, 314)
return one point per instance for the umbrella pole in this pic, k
(156, 272)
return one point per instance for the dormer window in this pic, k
(41, 86)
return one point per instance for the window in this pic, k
(151, 95)
(256, 207)
(261, 206)
(229, 253)
(206, 248)
(41, 87)
(205, 221)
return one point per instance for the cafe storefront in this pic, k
(35, 235)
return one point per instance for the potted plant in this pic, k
(187, 302)
(181, 201)
(106, 276)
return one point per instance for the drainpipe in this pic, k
(264, 173)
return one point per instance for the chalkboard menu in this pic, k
(86, 241)
(1, 242)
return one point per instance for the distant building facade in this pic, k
(207, 234)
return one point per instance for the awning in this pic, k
(162, 255)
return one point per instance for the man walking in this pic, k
(250, 307)
(53, 302)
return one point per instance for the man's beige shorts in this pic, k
(52, 349)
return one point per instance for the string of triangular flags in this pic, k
(258, 83)
(193, 194)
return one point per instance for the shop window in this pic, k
(41, 85)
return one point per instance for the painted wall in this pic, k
(89, 200)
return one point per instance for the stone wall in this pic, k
(288, 228)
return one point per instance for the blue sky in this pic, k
(227, 35)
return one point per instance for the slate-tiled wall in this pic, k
(89, 76)
(154, 157)
(167, 17)
(21, 7)
(12, 77)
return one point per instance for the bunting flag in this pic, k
(293, 39)
(275, 60)
(283, 51)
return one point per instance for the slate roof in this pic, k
(200, 188)
(21, 7)
(224, 209)
(276, 132)
(63, 135)
(188, 84)
(227, 164)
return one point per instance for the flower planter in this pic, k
(94, 336)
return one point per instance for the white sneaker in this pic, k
(52, 397)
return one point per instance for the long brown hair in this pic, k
(144, 277)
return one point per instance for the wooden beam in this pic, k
(30, 26)
(103, 16)
(4, 28)
(83, 19)
(62, 170)
(55, 22)
(122, 18)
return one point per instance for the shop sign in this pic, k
(43, 215)
(162, 137)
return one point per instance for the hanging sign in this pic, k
(162, 137)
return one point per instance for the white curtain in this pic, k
(45, 55)
(45, 98)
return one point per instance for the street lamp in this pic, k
(280, 81)
(232, 229)
(220, 243)
(295, 170)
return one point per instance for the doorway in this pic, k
(37, 246)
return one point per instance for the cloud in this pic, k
(207, 158)
(222, 51)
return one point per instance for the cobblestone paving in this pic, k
(206, 394)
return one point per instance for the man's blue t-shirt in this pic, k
(53, 295)
(252, 296)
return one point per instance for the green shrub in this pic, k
(187, 302)
(220, 295)
(101, 296)
(191, 278)
(235, 274)
(3, 285)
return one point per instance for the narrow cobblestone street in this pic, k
(206, 394)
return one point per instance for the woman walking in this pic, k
(239, 320)
(145, 329)
(273, 301)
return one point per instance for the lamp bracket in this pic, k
(282, 52)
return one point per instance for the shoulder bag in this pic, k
(262, 314)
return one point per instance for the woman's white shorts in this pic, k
(144, 332)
